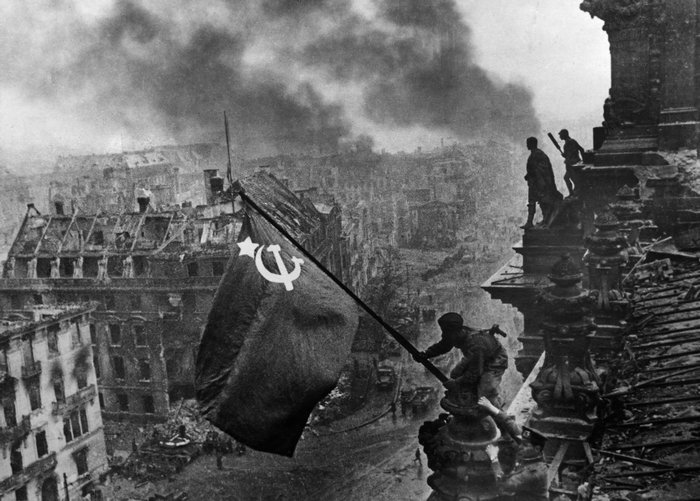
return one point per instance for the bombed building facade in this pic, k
(154, 274)
(52, 435)
(110, 182)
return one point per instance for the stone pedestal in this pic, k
(606, 256)
(567, 388)
(455, 445)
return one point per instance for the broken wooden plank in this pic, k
(646, 473)
(659, 443)
(670, 368)
(648, 382)
(632, 459)
(666, 342)
(556, 462)
(662, 401)
(660, 421)
(668, 355)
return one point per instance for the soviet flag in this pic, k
(277, 337)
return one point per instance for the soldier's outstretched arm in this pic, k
(439, 348)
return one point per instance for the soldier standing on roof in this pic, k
(541, 186)
(485, 360)
(573, 153)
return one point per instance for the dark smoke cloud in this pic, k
(191, 85)
(426, 76)
(169, 68)
(301, 7)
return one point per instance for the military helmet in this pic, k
(451, 321)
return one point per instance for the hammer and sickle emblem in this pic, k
(284, 276)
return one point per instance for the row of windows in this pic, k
(147, 402)
(115, 335)
(115, 267)
(52, 337)
(119, 369)
(34, 392)
(217, 269)
(75, 425)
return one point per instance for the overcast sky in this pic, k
(93, 74)
(555, 48)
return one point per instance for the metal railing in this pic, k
(75, 400)
(13, 433)
(31, 369)
(37, 468)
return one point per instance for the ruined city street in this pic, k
(371, 453)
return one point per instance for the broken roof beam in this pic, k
(138, 231)
(43, 235)
(89, 233)
(65, 235)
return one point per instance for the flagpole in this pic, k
(229, 176)
(417, 355)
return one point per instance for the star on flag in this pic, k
(247, 247)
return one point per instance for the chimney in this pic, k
(143, 197)
(210, 183)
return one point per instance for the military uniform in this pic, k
(485, 360)
(541, 185)
(572, 155)
(528, 482)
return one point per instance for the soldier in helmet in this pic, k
(485, 360)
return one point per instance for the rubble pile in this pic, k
(185, 414)
(651, 445)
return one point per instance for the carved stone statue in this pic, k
(78, 267)
(102, 269)
(31, 268)
(55, 267)
(10, 268)
(128, 268)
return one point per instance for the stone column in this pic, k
(679, 112)
(566, 389)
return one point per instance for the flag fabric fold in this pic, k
(277, 337)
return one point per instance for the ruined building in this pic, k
(109, 182)
(154, 274)
(51, 435)
(14, 195)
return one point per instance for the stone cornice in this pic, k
(619, 14)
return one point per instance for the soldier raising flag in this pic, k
(279, 331)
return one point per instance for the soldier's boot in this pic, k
(531, 208)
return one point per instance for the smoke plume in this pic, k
(293, 75)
